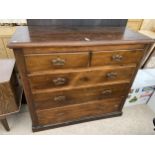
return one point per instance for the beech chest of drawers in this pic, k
(73, 75)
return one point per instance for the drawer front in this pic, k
(116, 57)
(40, 62)
(80, 111)
(59, 98)
(81, 77)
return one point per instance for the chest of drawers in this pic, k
(73, 75)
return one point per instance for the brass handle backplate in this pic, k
(116, 105)
(58, 62)
(59, 81)
(111, 75)
(117, 57)
(106, 92)
(60, 98)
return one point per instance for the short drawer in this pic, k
(116, 57)
(45, 100)
(79, 111)
(42, 62)
(81, 77)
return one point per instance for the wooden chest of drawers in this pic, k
(77, 74)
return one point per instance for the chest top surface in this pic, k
(6, 68)
(45, 36)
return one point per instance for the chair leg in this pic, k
(5, 124)
(154, 123)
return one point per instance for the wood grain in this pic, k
(98, 65)
(74, 112)
(22, 70)
(7, 100)
(46, 62)
(74, 49)
(80, 77)
(3, 54)
(108, 58)
(45, 100)
(9, 51)
(47, 36)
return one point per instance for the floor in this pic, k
(135, 120)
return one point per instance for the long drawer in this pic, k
(79, 111)
(116, 57)
(51, 99)
(80, 77)
(41, 62)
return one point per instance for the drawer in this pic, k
(51, 99)
(42, 62)
(81, 77)
(79, 111)
(116, 57)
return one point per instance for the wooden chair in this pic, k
(10, 90)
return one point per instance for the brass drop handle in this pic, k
(116, 105)
(60, 98)
(111, 75)
(117, 57)
(58, 62)
(61, 114)
(59, 81)
(106, 92)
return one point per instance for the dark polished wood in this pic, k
(55, 61)
(76, 74)
(116, 57)
(56, 98)
(74, 49)
(80, 77)
(66, 123)
(77, 22)
(47, 36)
(22, 71)
(74, 112)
